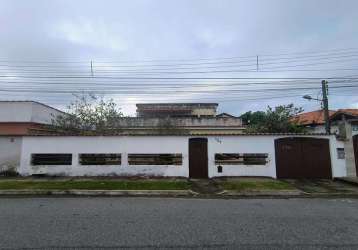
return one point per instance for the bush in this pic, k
(9, 173)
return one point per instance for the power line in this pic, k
(236, 63)
(311, 53)
(179, 78)
(156, 91)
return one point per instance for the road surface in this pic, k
(147, 223)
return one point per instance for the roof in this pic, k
(317, 117)
(35, 102)
(311, 118)
(351, 112)
(225, 115)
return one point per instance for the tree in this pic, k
(253, 117)
(277, 120)
(89, 114)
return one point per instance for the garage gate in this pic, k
(303, 157)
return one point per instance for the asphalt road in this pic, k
(146, 223)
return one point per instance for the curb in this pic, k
(74, 192)
(265, 193)
(226, 194)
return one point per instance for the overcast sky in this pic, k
(62, 37)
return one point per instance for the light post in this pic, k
(324, 101)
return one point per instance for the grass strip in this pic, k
(95, 185)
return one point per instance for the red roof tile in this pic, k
(353, 112)
(310, 118)
(317, 117)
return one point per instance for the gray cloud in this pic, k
(167, 30)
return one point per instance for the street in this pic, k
(146, 223)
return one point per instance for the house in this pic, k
(195, 143)
(344, 124)
(313, 120)
(156, 110)
(20, 117)
(180, 118)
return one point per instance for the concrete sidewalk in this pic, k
(350, 180)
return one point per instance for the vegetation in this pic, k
(89, 114)
(273, 120)
(8, 171)
(96, 185)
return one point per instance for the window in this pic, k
(51, 159)
(100, 159)
(340, 153)
(241, 159)
(155, 159)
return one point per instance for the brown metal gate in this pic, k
(355, 147)
(198, 158)
(303, 157)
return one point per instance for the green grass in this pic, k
(255, 185)
(96, 185)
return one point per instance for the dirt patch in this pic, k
(205, 186)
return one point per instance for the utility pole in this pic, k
(325, 107)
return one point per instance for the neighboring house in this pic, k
(180, 118)
(344, 124)
(20, 117)
(156, 110)
(313, 121)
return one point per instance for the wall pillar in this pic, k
(349, 152)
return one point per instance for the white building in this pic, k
(20, 117)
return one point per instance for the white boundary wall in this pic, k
(107, 144)
(261, 144)
(158, 144)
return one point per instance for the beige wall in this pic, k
(204, 112)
